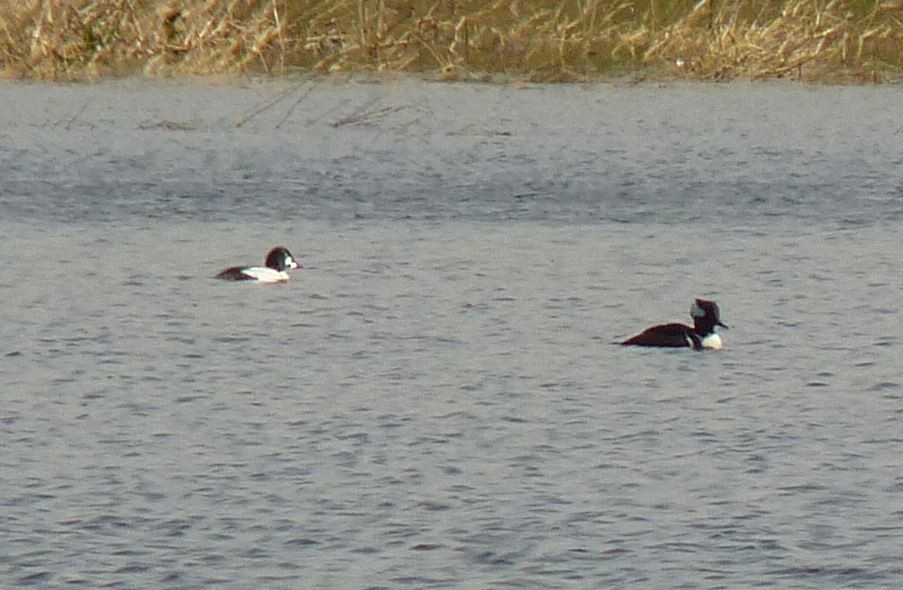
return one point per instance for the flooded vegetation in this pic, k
(541, 40)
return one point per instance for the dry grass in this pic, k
(543, 40)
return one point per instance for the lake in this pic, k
(437, 399)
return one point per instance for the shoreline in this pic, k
(843, 42)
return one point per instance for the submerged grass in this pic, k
(539, 40)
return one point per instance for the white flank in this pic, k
(265, 274)
(712, 342)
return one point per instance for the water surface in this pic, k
(436, 400)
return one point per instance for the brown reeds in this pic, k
(545, 40)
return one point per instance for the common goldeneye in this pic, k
(279, 261)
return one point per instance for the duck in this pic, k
(275, 270)
(702, 335)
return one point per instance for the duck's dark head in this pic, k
(706, 316)
(281, 259)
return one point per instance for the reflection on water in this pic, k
(435, 400)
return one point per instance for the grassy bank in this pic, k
(541, 40)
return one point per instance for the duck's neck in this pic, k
(704, 326)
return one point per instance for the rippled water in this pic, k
(436, 401)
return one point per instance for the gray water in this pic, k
(436, 400)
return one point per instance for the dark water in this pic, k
(435, 400)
